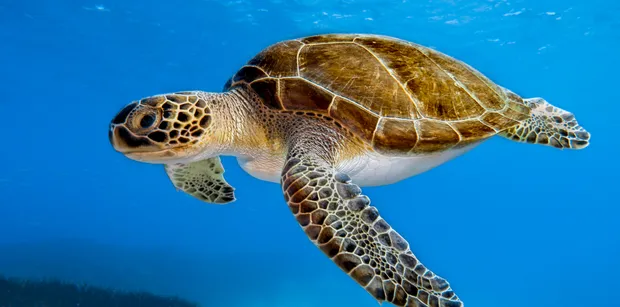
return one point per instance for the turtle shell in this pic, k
(397, 96)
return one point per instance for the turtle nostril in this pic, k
(147, 121)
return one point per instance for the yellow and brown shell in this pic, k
(395, 95)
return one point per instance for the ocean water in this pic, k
(507, 224)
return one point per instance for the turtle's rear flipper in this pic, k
(549, 125)
(341, 222)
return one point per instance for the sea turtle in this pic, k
(326, 114)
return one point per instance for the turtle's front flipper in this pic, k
(549, 125)
(202, 179)
(341, 222)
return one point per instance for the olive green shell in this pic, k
(394, 95)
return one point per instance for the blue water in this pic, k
(507, 224)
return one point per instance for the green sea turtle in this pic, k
(326, 114)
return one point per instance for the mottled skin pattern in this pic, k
(549, 125)
(203, 180)
(340, 221)
(302, 107)
(164, 122)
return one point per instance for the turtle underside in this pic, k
(397, 96)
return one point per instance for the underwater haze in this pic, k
(507, 224)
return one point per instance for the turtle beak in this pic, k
(116, 140)
(114, 132)
(121, 139)
(139, 148)
(124, 141)
(140, 140)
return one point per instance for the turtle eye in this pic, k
(144, 120)
(147, 121)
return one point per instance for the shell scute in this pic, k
(279, 60)
(472, 131)
(395, 135)
(299, 94)
(497, 120)
(358, 120)
(434, 136)
(516, 111)
(249, 74)
(432, 88)
(268, 90)
(482, 90)
(350, 71)
(397, 96)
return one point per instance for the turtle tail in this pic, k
(549, 125)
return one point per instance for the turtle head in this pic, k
(163, 128)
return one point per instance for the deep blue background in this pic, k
(507, 224)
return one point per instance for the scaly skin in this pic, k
(302, 108)
(549, 125)
(340, 221)
(187, 131)
(330, 208)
